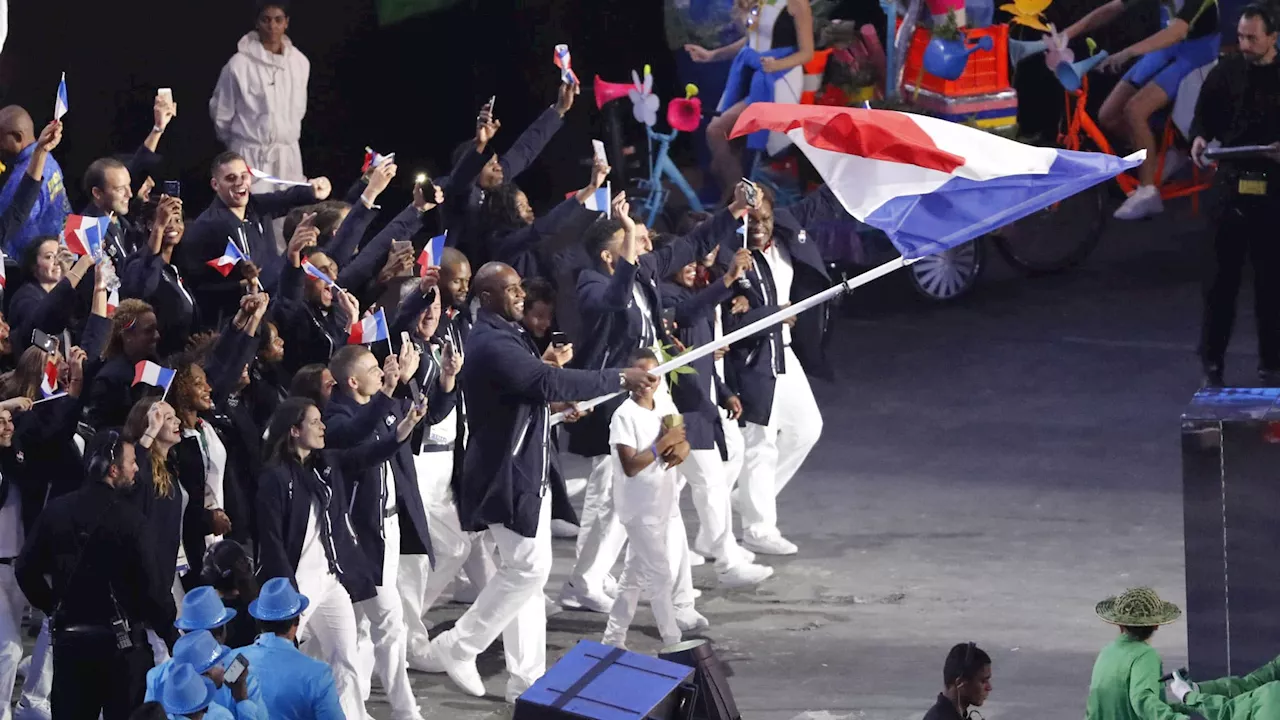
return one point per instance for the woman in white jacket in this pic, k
(261, 97)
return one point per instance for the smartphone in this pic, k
(753, 195)
(669, 317)
(598, 147)
(490, 104)
(405, 340)
(166, 93)
(399, 246)
(416, 391)
(173, 188)
(559, 339)
(235, 670)
(44, 341)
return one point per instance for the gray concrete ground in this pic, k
(989, 470)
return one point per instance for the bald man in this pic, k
(505, 479)
(18, 149)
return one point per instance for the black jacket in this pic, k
(91, 544)
(147, 277)
(311, 334)
(286, 490)
(505, 471)
(162, 516)
(532, 250)
(692, 392)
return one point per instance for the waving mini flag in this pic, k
(152, 374)
(929, 184)
(599, 200)
(373, 159)
(315, 272)
(113, 301)
(563, 62)
(432, 253)
(60, 105)
(83, 234)
(49, 380)
(231, 257)
(263, 176)
(3, 280)
(370, 329)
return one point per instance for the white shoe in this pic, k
(696, 559)
(574, 487)
(462, 672)
(429, 662)
(563, 529)
(690, 620)
(553, 607)
(741, 553)
(744, 575)
(1144, 202)
(576, 598)
(773, 544)
(696, 594)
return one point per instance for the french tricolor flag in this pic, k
(83, 234)
(315, 272)
(599, 200)
(267, 177)
(60, 105)
(113, 301)
(373, 159)
(929, 184)
(370, 329)
(431, 253)
(563, 61)
(49, 380)
(4, 281)
(152, 374)
(231, 257)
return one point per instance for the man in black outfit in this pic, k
(1240, 105)
(967, 678)
(102, 595)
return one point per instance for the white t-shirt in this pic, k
(649, 497)
(11, 523)
(312, 561)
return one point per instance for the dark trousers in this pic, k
(91, 676)
(1247, 227)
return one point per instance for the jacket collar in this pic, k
(274, 641)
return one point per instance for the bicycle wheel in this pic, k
(1056, 238)
(949, 274)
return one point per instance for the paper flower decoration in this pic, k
(1029, 13)
(1056, 50)
(644, 104)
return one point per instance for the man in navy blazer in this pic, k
(386, 507)
(621, 311)
(505, 481)
(780, 418)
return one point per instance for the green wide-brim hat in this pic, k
(1138, 607)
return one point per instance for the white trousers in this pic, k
(420, 584)
(34, 702)
(646, 571)
(12, 603)
(601, 537)
(330, 623)
(709, 486)
(774, 452)
(678, 554)
(511, 605)
(386, 635)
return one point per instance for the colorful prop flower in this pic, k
(1029, 13)
(644, 104)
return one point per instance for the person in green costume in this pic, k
(1254, 696)
(1126, 676)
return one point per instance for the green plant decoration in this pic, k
(665, 356)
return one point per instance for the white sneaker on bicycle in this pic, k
(1144, 202)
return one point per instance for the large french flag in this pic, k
(83, 234)
(370, 329)
(928, 183)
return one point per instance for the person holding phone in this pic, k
(238, 693)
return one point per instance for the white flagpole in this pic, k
(783, 314)
(54, 396)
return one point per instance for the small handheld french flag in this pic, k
(370, 329)
(229, 259)
(49, 381)
(3, 280)
(266, 177)
(113, 301)
(599, 200)
(60, 105)
(315, 272)
(152, 374)
(373, 159)
(83, 234)
(563, 61)
(431, 253)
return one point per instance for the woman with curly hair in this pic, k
(135, 336)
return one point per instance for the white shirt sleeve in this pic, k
(222, 105)
(622, 428)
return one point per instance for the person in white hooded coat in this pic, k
(261, 97)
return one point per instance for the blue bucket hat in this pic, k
(202, 609)
(186, 691)
(199, 650)
(278, 601)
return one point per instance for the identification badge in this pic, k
(1252, 184)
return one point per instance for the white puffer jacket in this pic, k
(259, 102)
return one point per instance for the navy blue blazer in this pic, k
(612, 323)
(750, 362)
(507, 461)
(286, 490)
(691, 392)
(147, 277)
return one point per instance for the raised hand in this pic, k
(742, 262)
(321, 187)
(564, 98)
(50, 136)
(427, 196)
(163, 110)
(304, 235)
(379, 178)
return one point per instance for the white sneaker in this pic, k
(553, 607)
(744, 575)
(428, 662)
(690, 620)
(1144, 202)
(773, 544)
(696, 559)
(696, 594)
(576, 598)
(563, 529)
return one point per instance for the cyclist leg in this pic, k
(1112, 113)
